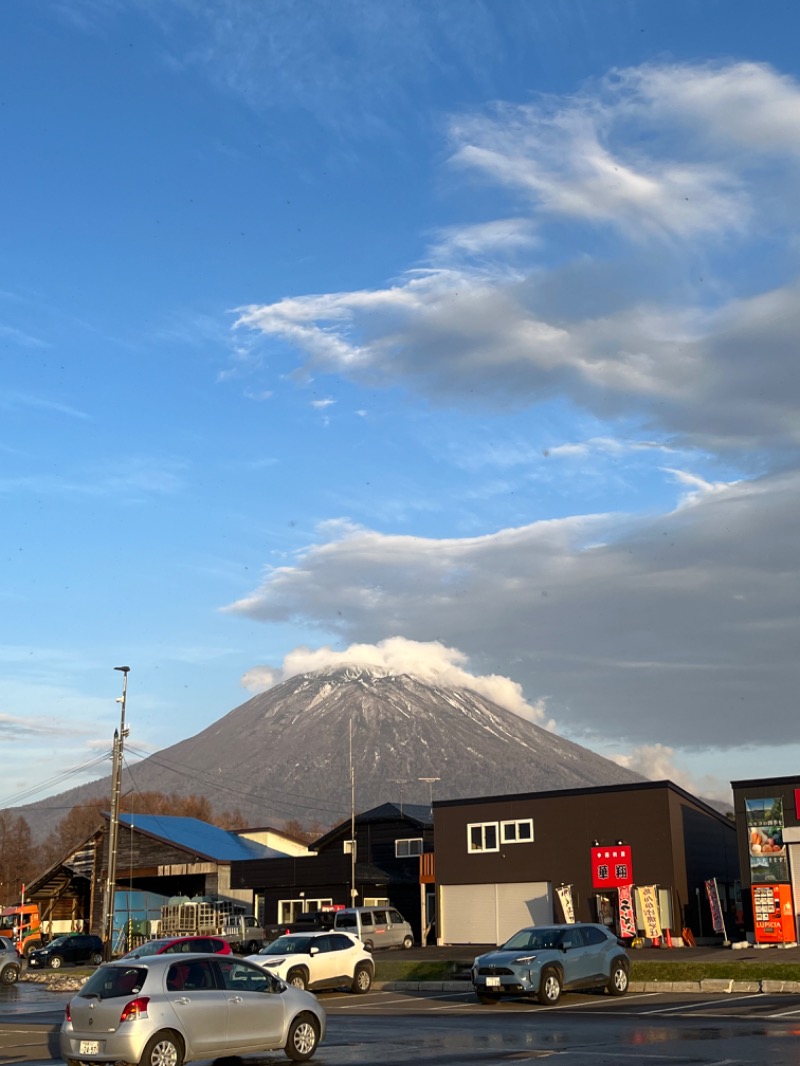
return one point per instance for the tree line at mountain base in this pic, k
(21, 859)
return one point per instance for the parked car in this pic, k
(174, 945)
(375, 927)
(543, 961)
(319, 960)
(76, 948)
(165, 1010)
(9, 962)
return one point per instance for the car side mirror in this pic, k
(313, 950)
(564, 947)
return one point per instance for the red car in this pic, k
(174, 945)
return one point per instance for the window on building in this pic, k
(482, 836)
(348, 846)
(405, 849)
(376, 901)
(288, 909)
(518, 832)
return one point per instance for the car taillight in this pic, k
(68, 1013)
(137, 1008)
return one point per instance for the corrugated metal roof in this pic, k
(201, 838)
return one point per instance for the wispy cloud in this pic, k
(131, 479)
(12, 400)
(477, 329)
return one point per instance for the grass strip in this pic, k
(397, 970)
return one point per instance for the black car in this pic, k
(76, 948)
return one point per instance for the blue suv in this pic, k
(544, 961)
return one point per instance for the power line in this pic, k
(65, 775)
(260, 794)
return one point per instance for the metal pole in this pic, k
(113, 831)
(353, 892)
(431, 781)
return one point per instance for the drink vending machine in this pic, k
(773, 914)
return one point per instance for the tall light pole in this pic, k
(430, 782)
(113, 829)
(353, 892)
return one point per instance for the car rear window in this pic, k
(111, 981)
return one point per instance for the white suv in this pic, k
(9, 962)
(324, 959)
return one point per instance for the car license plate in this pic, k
(492, 982)
(90, 1047)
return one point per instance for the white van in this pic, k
(375, 927)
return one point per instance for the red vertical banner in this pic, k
(716, 909)
(627, 918)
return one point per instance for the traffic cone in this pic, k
(668, 938)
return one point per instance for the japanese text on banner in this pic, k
(648, 910)
(627, 919)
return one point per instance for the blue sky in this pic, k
(455, 337)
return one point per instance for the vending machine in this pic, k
(773, 914)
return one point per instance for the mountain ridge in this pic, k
(284, 754)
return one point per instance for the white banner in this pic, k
(648, 910)
(564, 893)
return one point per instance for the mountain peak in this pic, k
(286, 753)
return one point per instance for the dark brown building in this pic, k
(389, 842)
(501, 859)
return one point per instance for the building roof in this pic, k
(200, 838)
(417, 816)
(588, 790)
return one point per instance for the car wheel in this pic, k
(55, 962)
(369, 946)
(10, 975)
(303, 1038)
(297, 979)
(618, 982)
(487, 998)
(550, 987)
(97, 958)
(163, 1049)
(362, 979)
(408, 942)
(252, 947)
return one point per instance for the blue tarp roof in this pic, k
(204, 839)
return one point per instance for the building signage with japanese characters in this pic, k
(612, 866)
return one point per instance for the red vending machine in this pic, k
(773, 914)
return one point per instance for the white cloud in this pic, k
(651, 154)
(430, 661)
(649, 629)
(657, 763)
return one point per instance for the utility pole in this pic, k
(400, 782)
(113, 829)
(353, 892)
(430, 782)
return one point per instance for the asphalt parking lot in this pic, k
(452, 1029)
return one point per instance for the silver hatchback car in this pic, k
(164, 1010)
(543, 961)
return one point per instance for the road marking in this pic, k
(703, 1003)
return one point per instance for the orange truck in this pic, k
(22, 925)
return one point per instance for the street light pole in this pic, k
(353, 892)
(113, 830)
(430, 781)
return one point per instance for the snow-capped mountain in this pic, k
(286, 753)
